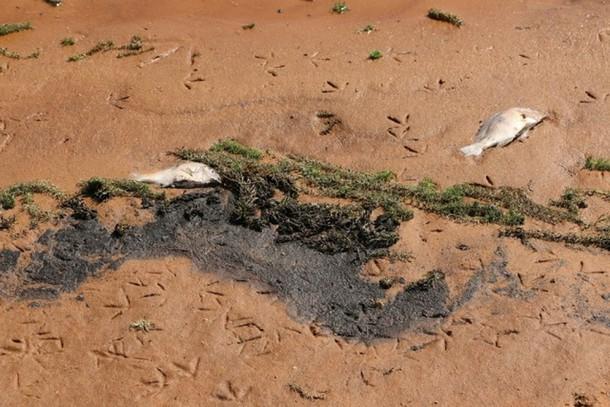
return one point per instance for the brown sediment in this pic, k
(538, 335)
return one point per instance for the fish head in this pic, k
(530, 117)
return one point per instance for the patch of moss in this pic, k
(6, 29)
(597, 164)
(101, 189)
(440, 15)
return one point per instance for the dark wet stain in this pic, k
(322, 287)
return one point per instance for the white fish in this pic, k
(503, 128)
(186, 175)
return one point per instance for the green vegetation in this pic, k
(248, 26)
(14, 55)
(14, 27)
(601, 240)
(135, 46)
(101, 189)
(340, 7)
(76, 57)
(376, 54)
(103, 46)
(439, 15)
(26, 192)
(67, 42)
(266, 190)
(26, 189)
(234, 147)
(597, 164)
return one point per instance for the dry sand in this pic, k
(216, 341)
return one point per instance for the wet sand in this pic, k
(219, 341)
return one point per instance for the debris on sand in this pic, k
(14, 27)
(159, 57)
(254, 226)
(185, 175)
(503, 128)
(143, 325)
(55, 3)
(439, 15)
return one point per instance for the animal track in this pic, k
(326, 122)
(229, 391)
(399, 131)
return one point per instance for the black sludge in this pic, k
(320, 287)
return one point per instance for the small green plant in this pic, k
(142, 325)
(597, 164)
(76, 57)
(439, 15)
(26, 189)
(135, 46)
(103, 46)
(233, 147)
(14, 27)
(368, 29)
(67, 42)
(340, 7)
(14, 55)
(374, 55)
(102, 189)
(248, 26)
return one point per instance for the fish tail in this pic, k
(472, 150)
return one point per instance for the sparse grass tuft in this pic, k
(234, 147)
(26, 189)
(600, 240)
(248, 26)
(142, 325)
(135, 46)
(67, 42)
(374, 55)
(597, 164)
(340, 7)
(103, 46)
(14, 55)
(14, 27)
(101, 189)
(76, 57)
(439, 15)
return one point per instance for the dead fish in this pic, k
(185, 175)
(503, 128)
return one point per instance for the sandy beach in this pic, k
(294, 78)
